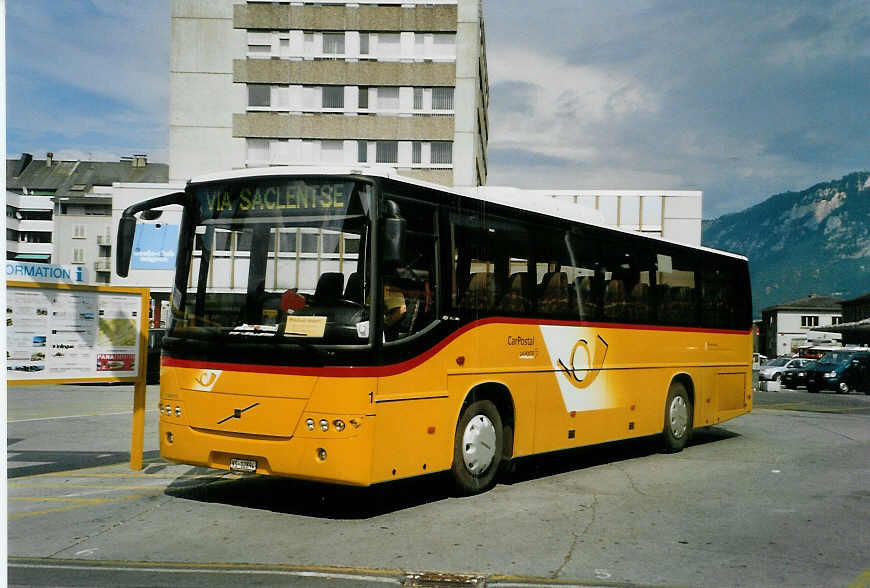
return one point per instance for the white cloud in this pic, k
(565, 99)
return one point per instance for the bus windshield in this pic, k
(274, 260)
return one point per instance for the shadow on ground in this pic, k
(288, 496)
(47, 461)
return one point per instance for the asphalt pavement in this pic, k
(777, 497)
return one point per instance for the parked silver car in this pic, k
(772, 370)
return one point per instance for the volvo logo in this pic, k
(237, 413)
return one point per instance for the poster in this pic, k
(154, 246)
(59, 333)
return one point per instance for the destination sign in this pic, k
(275, 198)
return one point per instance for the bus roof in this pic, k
(517, 198)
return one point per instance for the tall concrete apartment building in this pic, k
(401, 83)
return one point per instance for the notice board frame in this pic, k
(139, 380)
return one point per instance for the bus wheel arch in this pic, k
(484, 431)
(679, 413)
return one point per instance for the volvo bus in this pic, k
(356, 328)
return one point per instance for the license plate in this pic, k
(243, 465)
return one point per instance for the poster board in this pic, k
(68, 333)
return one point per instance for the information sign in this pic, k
(55, 331)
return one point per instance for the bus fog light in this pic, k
(169, 437)
(310, 424)
(321, 454)
(339, 425)
(324, 425)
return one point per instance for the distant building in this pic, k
(785, 327)
(61, 211)
(401, 83)
(855, 327)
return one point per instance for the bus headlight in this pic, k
(324, 425)
(339, 425)
(310, 424)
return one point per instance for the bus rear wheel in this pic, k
(678, 418)
(477, 448)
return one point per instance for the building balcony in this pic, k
(23, 247)
(103, 264)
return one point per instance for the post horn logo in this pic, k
(585, 363)
(206, 379)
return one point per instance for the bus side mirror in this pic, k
(124, 245)
(394, 232)
(127, 227)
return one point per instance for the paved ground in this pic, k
(778, 497)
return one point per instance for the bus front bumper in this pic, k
(341, 459)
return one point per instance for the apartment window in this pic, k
(444, 44)
(260, 50)
(363, 97)
(836, 320)
(388, 98)
(387, 152)
(442, 152)
(333, 97)
(78, 255)
(362, 148)
(809, 321)
(259, 95)
(258, 150)
(442, 98)
(418, 98)
(363, 43)
(79, 232)
(389, 45)
(416, 152)
(333, 43)
(332, 151)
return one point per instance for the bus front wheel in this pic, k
(477, 448)
(678, 418)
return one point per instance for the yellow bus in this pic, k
(358, 328)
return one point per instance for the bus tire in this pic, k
(678, 418)
(477, 448)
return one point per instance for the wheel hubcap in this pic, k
(679, 416)
(844, 387)
(478, 444)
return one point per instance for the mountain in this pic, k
(799, 243)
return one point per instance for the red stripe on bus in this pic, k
(397, 368)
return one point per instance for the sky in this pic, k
(739, 99)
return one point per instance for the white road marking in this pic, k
(78, 416)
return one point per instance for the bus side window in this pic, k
(723, 288)
(414, 279)
(675, 279)
(628, 280)
(555, 273)
(490, 265)
(587, 284)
